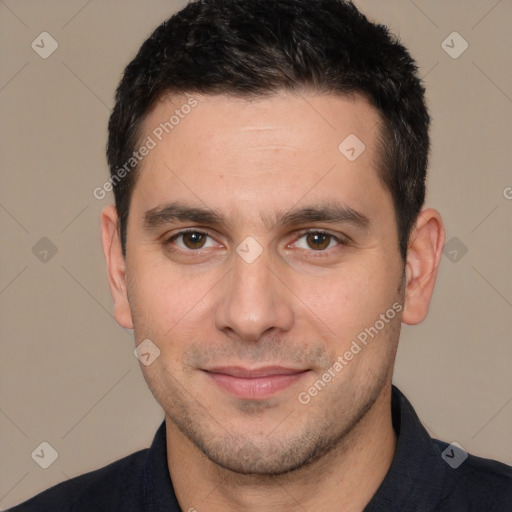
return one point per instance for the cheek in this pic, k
(344, 302)
(154, 300)
(166, 305)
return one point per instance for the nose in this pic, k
(254, 300)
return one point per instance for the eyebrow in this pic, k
(327, 212)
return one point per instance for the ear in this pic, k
(116, 266)
(423, 258)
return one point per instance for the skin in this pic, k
(296, 305)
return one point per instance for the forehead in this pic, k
(276, 118)
(226, 151)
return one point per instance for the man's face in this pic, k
(253, 305)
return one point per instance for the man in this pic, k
(268, 161)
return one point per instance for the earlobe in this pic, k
(423, 258)
(116, 266)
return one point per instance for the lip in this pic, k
(254, 383)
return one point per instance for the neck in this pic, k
(345, 479)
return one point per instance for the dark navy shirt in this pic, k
(425, 475)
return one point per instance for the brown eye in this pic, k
(318, 241)
(194, 239)
(191, 240)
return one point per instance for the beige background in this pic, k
(68, 374)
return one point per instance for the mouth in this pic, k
(254, 383)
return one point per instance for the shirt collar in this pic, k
(159, 492)
(417, 470)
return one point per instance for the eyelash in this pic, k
(168, 241)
